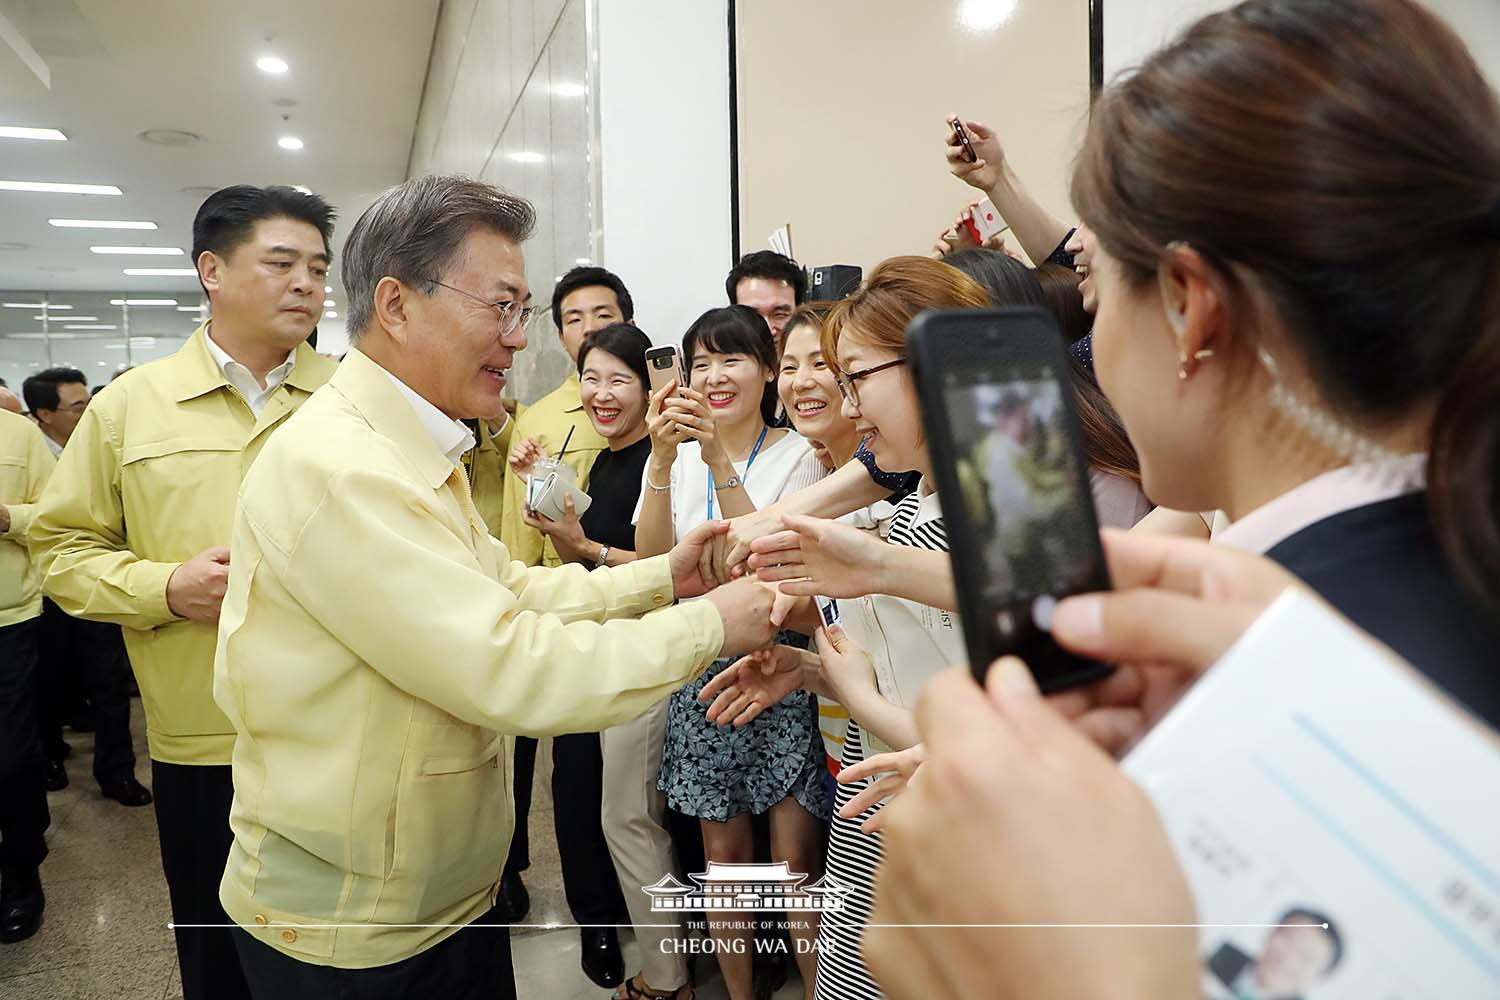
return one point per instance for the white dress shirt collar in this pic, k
(1332, 493)
(452, 438)
(242, 380)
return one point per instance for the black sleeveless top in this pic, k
(1381, 566)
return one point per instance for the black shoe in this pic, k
(21, 905)
(56, 777)
(514, 901)
(602, 961)
(127, 791)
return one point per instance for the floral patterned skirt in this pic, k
(719, 772)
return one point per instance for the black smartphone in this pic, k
(1007, 456)
(963, 138)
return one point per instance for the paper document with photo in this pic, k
(1312, 778)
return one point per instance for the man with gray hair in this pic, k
(378, 650)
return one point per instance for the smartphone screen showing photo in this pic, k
(1019, 489)
(1008, 459)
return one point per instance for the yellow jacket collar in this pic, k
(198, 373)
(365, 384)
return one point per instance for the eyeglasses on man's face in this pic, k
(848, 380)
(512, 314)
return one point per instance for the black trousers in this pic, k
(192, 818)
(86, 660)
(472, 964)
(23, 796)
(589, 879)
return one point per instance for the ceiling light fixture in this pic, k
(70, 318)
(327, 289)
(161, 272)
(50, 307)
(527, 156)
(53, 187)
(289, 142)
(91, 326)
(570, 89)
(271, 64)
(99, 224)
(22, 132)
(985, 15)
(190, 309)
(141, 251)
(144, 302)
(331, 315)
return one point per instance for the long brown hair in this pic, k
(1342, 159)
(890, 299)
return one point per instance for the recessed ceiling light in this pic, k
(70, 318)
(332, 315)
(22, 132)
(327, 289)
(33, 305)
(289, 142)
(92, 326)
(527, 156)
(582, 261)
(271, 64)
(99, 224)
(145, 302)
(189, 309)
(329, 303)
(174, 138)
(570, 89)
(162, 272)
(52, 187)
(141, 251)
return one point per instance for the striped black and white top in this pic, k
(854, 856)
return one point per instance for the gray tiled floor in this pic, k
(105, 936)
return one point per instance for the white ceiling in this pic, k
(120, 67)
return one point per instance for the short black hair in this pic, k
(587, 276)
(625, 341)
(1323, 924)
(772, 266)
(40, 390)
(227, 217)
(736, 330)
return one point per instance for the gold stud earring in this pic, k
(1182, 361)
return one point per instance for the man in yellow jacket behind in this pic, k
(25, 464)
(134, 525)
(378, 648)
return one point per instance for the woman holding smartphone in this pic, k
(714, 454)
(613, 385)
(865, 340)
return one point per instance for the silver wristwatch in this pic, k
(728, 484)
(603, 559)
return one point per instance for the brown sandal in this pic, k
(632, 991)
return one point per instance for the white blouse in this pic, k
(781, 468)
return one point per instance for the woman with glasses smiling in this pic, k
(909, 642)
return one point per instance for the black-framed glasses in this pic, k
(510, 316)
(846, 380)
